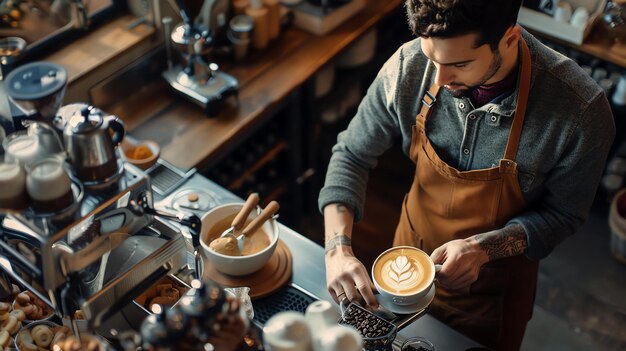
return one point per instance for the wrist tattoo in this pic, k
(341, 208)
(507, 242)
(337, 240)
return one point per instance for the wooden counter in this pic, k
(189, 139)
(94, 57)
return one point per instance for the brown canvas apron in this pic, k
(445, 204)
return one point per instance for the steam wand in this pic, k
(192, 222)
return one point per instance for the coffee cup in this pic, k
(403, 274)
(619, 95)
(563, 12)
(12, 185)
(287, 331)
(22, 147)
(321, 315)
(339, 338)
(580, 17)
(48, 184)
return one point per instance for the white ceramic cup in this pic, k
(12, 185)
(563, 12)
(339, 338)
(580, 17)
(47, 179)
(22, 147)
(287, 331)
(598, 74)
(619, 95)
(406, 271)
(321, 315)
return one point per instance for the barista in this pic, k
(509, 147)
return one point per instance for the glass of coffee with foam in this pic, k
(49, 185)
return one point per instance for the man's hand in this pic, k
(462, 259)
(346, 275)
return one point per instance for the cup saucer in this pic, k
(407, 309)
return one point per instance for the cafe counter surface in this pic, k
(308, 272)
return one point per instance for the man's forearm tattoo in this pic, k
(507, 242)
(337, 240)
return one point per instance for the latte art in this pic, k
(403, 271)
(401, 274)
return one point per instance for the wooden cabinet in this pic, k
(268, 161)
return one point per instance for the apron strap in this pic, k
(428, 100)
(430, 97)
(520, 111)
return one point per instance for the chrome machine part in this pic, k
(90, 140)
(38, 89)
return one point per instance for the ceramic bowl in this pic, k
(30, 326)
(142, 154)
(235, 265)
(46, 317)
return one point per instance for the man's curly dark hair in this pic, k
(490, 19)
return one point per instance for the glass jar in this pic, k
(417, 344)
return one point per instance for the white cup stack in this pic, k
(316, 330)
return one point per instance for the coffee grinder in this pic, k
(37, 90)
(196, 79)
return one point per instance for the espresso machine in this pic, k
(194, 78)
(110, 244)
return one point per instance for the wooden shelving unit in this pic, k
(258, 164)
(597, 46)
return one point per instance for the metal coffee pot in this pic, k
(90, 140)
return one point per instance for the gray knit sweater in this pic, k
(567, 134)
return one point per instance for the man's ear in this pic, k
(512, 36)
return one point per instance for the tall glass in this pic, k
(13, 194)
(23, 148)
(37, 142)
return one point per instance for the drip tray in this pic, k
(290, 298)
(166, 177)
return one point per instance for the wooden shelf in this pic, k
(237, 183)
(274, 194)
(105, 43)
(596, 45)
(266, 80)
(106, 50)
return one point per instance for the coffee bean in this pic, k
(377, 332)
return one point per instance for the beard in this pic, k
(494, 67)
